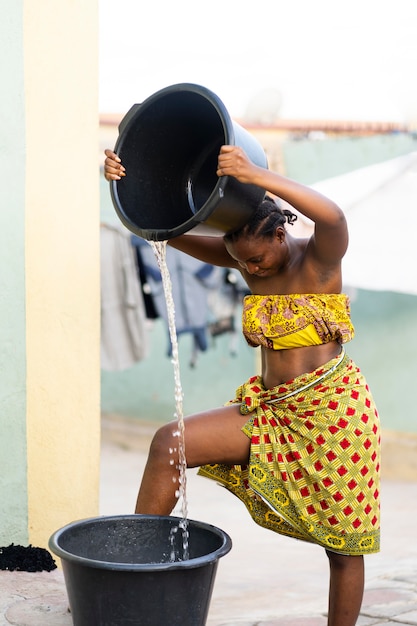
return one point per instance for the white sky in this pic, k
(324, 58)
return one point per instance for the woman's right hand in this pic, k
(113, 168)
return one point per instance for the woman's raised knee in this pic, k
(165, 442)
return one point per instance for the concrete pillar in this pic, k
(49, 268)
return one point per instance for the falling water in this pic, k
(159, 248)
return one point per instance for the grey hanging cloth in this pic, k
(123, 316)
(191, 282)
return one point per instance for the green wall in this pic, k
(13, 492)
(384, 347)
(311, 161)
(147, 389)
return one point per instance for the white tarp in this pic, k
(380, 204)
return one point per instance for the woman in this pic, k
(300, 443)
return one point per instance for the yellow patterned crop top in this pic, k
(280, 322)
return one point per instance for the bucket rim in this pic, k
(206, 559)
(217, 193)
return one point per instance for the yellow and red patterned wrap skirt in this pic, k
(314, 465)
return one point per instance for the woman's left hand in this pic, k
(233, 161)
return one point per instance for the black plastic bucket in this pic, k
(118, 570)
(169, 146)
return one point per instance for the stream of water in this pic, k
(159, 248)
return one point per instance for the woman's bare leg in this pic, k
(346, 589)
(211, 437)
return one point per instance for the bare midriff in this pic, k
(280, 366)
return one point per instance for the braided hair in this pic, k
(264, 221)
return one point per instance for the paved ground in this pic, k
(265, 580)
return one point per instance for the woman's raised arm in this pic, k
(330, 238)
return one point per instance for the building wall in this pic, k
(307, 159)
(310, 157)
(50, 398)
(13, 485)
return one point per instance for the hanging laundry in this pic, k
(191, 282)
(123, 316)
(150, 308)
(224, 303)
